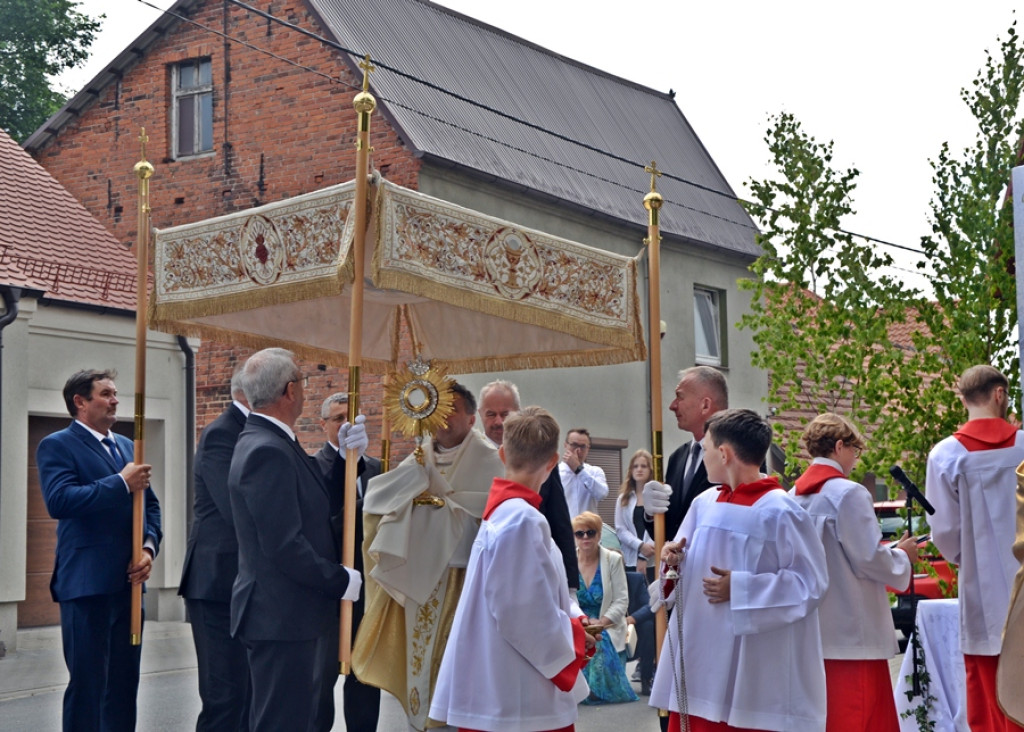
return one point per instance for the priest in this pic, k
(419, 523)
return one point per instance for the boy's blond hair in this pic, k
(825, 430)
(530, 439)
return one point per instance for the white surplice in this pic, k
(512, 631)
(974, 526)
(856, 619)
(755, 661)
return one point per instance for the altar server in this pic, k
(857, 632)
(743, 649)
(517, 643)
(972, 484)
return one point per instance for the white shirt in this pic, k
(287, 430)
(512, 631)
(583, 490)
(974, 495)
(856, 619)
(755, 661)
(359, 478)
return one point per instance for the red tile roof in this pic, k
(50, 242)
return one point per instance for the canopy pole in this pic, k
(653, 202)
(144, 170)
(364, 104)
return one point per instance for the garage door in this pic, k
(41, 536)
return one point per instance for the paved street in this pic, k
(32, 684)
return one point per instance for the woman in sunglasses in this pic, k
(604, 597)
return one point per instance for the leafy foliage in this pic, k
(38, 40)
(821, 312)
(824, 313)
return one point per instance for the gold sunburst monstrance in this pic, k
(419, 400)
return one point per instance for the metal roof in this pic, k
(507, 74)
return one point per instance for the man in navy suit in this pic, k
(211, 563)
(285, 597)
(88, 478)
(701, 392)
(361, 701)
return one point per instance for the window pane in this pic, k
(705, 325)
(205, 73)
(206, 121)
(186, 125)
(186, 76)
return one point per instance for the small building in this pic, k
(68, 294)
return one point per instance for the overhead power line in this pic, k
(512, 118)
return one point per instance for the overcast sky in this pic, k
(880, 78)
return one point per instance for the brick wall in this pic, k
(278, 131)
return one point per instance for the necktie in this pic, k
(114, 452)
(692, 467)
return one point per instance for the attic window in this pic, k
(192, 115)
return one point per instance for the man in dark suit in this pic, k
(639, 615)
(361, 701)
(88, 478)
(498, 401)
(701, 392)
(211, 563)
(285, 596)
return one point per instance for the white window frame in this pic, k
(707, 326)
(197, 92)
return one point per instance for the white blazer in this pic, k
(616, 596)
(626, 532)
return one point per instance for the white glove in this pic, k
(656, 497)
(355, 581)
(353, 436)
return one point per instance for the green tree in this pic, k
(821, 310)
(971, 248)
(824, 310)
(38, 40)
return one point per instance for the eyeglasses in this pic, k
(578, 445)
(589, 533)
(290, 381)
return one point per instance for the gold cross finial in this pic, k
(367, 67)
(655, 174)
(143, 139)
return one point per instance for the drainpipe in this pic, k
(190, 429)
(10, 296)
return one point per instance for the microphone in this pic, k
(912, 490)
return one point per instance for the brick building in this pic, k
(246, 107)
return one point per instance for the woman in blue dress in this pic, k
(604, 597)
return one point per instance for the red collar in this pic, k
(505, 490)
(746, 494)
(989, 433)
(815, 477)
